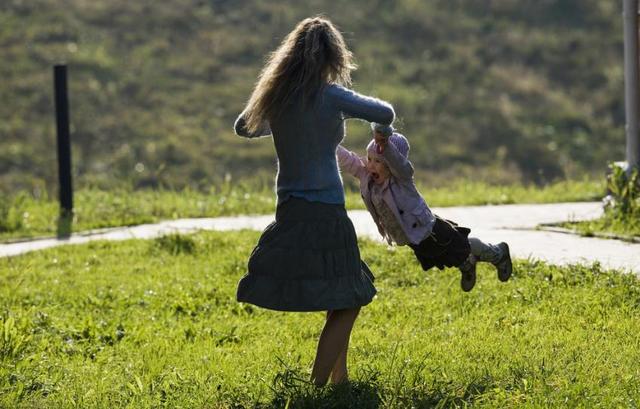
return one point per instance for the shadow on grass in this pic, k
(356, 394)
(295, 393)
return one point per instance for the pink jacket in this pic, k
(400, 195)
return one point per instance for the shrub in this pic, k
(623, 201)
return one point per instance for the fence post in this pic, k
(631, 93)
(64, 149)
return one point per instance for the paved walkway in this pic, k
(512, 223)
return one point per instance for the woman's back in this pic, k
(306, 137)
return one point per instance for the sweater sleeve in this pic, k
(399, 166)
(240, 128)
(350, 162)
(354, 105)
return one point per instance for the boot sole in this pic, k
(509, 269)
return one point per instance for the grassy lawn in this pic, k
(624, 229)
(621, 218)
(22, 216)
(155, 324)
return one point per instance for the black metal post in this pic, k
(64, 143)
(632, 95)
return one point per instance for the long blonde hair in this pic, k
(313, 54)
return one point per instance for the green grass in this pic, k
(22, 216)
(626, 228)
(464, 193)
(25, 216)
(621, 218)
(155, 324)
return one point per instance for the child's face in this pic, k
(378, 170)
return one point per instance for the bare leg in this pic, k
(340, 373)
(333, 341)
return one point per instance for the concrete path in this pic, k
(514, 224)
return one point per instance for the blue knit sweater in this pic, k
(306, 139)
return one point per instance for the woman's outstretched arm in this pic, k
(354, 105)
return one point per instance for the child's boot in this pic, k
(503, 265)
(468, 270)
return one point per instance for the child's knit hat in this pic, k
(397, 140)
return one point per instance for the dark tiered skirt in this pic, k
(307, 260)
(446, 246)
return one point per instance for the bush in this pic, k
(623, 201)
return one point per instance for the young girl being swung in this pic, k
(402, 215)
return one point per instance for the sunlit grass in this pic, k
(623, 228)
(28, 217)
(463, 193)
(155, 324)
(22, 216)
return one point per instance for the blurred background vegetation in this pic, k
(500, 91)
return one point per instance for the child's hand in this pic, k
(381, 142)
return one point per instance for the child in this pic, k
(403, 217)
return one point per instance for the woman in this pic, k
(308, 259)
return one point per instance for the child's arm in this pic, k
(241, 130)
(350, 162)
(399, 166)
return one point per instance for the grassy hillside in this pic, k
(499, 90)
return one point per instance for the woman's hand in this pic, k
(381, 142)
